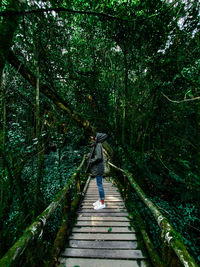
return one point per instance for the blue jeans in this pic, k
(100, 187)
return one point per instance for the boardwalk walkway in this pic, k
(103, 238)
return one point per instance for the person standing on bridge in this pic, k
(96, 167)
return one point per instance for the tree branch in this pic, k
(181, 101)
(49, 93)
(9, 13)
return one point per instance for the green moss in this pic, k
(36, 228)
(169, 235)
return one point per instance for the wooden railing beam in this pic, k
(171, 237)
(35, 229)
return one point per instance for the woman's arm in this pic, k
(98, 156)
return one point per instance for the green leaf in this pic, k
(109, 229)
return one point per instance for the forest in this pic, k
(127, 68)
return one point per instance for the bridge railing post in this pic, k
(67, 203)
(78, 184)
(174, 251)
(169, 257)
(127, 188)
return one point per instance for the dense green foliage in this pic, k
(130, 68)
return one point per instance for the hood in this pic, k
(101, 137)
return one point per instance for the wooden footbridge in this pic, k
(103, 237)
(106, 237)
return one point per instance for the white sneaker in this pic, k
(96, 203)
(100, 206)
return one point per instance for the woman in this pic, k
(96, 168)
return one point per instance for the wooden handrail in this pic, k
(36, 228)
(169, 234)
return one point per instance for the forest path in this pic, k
(104, 237)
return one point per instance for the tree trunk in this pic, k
(3, 90)
(123, 121)
(57, 100)
(125, 104)
(39, 145)
(7, 29)
(59, 164)
(48, 92)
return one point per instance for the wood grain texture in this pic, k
(83, 262)
(101, 213)
(101, 229)
(102, 236)
(104, 210)
(96, 217)
(108, 206)
(103, 244)
(102, 223)
(103, 253)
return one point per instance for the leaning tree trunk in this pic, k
(51, 94)
(57, 100)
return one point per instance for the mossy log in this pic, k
(36, 228)
(155, 259)
(171, 237)
(67, 225)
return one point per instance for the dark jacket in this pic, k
(96, 162)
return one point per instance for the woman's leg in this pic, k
(100, 188)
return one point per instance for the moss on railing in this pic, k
(36, 228)
(171, 238)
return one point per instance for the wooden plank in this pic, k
(101, 229)
(104, 184)
(110, 203)
(103, 244)
(107, 201)
(100, 213)
(95, 218)
(93, 185)
(101, 236)
(108, 206)
(103, 223)
(96, 194)
(83, 262)
(95, 190)
(93, 182)
(108, 189)
(103, 253)
(105, 210)
(107, 198)
(107, 193)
